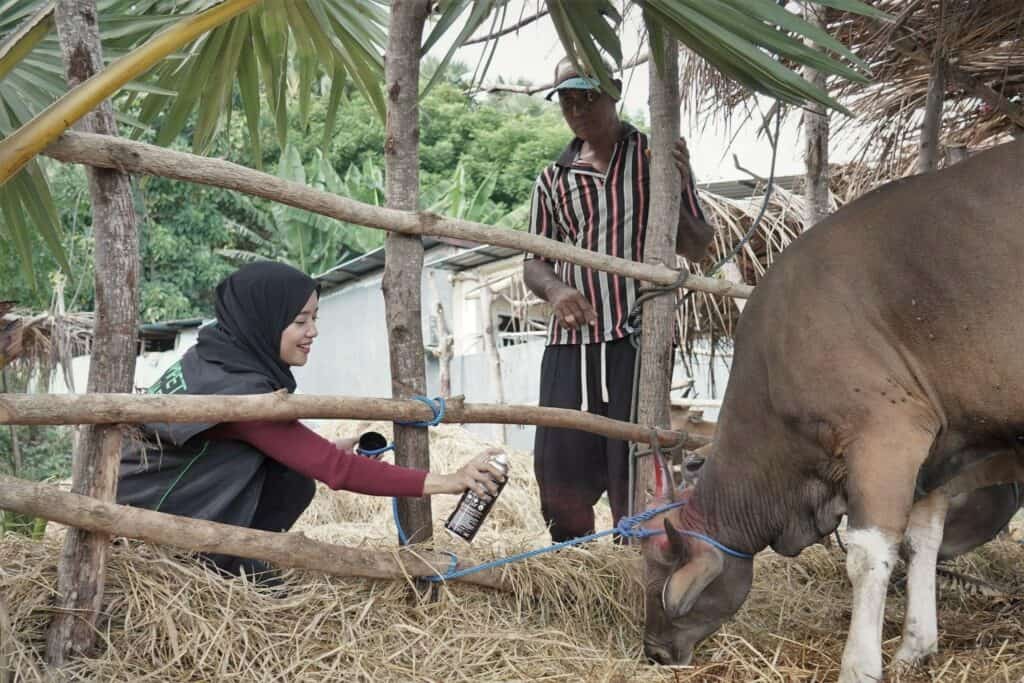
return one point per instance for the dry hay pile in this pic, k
(578, 616)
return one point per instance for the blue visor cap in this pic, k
(574, 83)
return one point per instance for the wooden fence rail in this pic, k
(71, 409)
(283, 549)
(136, 157)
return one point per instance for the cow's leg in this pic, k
(923, 539)
(882, 465)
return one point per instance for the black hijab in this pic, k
(254, 305)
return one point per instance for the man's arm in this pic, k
(571, 307)
(693, 234)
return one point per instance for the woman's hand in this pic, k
(478, 474)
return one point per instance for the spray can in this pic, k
(469, 515)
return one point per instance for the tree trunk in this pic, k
(94, 469)
(404, 254)
(931, 128)
(658, 315)
(816, 138)
(487, 313)
(285, 549)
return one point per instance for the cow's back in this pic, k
(905, 298)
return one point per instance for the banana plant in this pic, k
(310, 242)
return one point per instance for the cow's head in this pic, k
(692, 589)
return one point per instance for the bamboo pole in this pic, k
(72, 409)
(136, 157)
(19, 147)
(283, 549)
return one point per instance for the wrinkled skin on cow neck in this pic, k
(879, 355)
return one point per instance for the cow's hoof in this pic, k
(856, 674)
(913, 652)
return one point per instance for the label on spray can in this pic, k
(469, 515)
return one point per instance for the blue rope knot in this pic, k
(436, 405)
(626, 525)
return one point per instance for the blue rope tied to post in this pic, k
(437, 406)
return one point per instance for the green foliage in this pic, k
(479, 159)
(45, 452)
(45, 455)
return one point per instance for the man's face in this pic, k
(589, 113)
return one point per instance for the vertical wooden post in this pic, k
(494, 358)
(404, 254)
(445, 342)
(80, 575)
(931, 128)
(816, 136)
(658, 314)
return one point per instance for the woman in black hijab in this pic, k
(259, 474)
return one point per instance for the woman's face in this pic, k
(297, 338)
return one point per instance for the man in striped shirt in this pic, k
(595, 196)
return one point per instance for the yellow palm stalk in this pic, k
(24, 143)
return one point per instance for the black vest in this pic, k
(175, 470)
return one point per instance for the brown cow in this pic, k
(882, 345)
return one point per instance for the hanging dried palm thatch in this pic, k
(708, 320)
(983, 45)
(50, 340)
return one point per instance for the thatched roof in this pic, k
(982, 40)
(48, 340)
(983, 44)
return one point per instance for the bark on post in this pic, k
(928, 160)
(816, 137)
(404, 254)
(80, 575)
(487, 313)
(658, 316)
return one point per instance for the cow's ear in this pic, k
(685, 585)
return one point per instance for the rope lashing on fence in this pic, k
(436, 405)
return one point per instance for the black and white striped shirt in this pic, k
(604, 212)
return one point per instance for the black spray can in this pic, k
(469, 515)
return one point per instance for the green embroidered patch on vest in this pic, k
(171, 382)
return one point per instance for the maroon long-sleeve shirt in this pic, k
(301, 449)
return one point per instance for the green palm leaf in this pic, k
(280, 44)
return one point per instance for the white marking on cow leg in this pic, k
(870, 557)
(924, 536)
